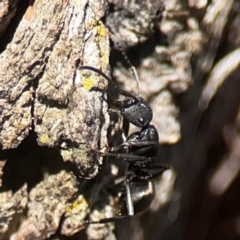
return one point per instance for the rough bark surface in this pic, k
(51, 113)
(43, 83)
(54, 116)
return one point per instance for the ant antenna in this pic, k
(131, 67)
(121, 91)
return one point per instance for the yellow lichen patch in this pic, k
(44, 139)
(88, 83)
(79, 205)
(102, 31)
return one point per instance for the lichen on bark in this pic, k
(53, 115)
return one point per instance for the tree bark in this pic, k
(54, 117)
(52, 113)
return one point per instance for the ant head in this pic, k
(136, 111)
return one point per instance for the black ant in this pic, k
(140, 153)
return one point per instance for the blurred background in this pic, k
(187, 56)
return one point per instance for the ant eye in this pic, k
(141, 120)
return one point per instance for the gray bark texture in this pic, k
(56, 117)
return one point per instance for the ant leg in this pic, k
(143, 143)
(145, 146)
(130, 208)
(158, 166)
(129, 157)
(125, 129)
(143, 150)
(121, 146)
(155, 170)
(129, 200)
(125, 156)
(126, 147)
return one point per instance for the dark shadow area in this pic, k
(7, 36)
(28, 163)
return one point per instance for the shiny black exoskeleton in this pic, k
(143, 142)
(139, 151)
